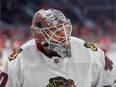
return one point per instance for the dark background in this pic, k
(92, 20)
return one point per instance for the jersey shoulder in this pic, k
(85, 44)
(76, 40)
(17, 58)
(88, 50)
(19, 51)
(28, 44)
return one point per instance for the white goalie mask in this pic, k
(52, 30)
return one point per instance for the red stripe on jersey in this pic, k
(38, 46)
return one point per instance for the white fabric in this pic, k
(32, 68)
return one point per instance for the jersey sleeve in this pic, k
(104, 71)
(10, 75)
(6, 77)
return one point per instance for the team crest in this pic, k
(14, 54)
(90, 45)
(60, 82)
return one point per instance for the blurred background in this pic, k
(92, 20)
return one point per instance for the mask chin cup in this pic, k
(60, 49)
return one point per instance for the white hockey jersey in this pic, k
(88, 66)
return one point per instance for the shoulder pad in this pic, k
(14, 54)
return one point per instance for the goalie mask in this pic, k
(52, 30)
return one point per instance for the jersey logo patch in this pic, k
(60, 82)
(14, 54)
(90, 45)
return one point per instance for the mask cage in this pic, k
(65, 28)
